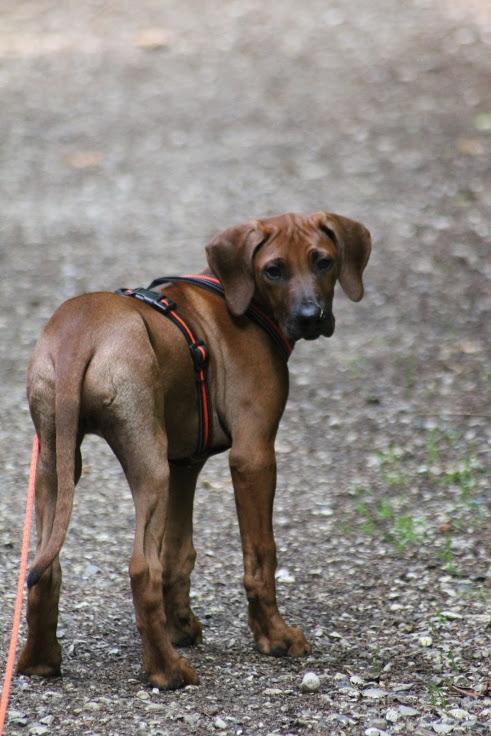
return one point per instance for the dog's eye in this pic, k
(324, 264)
(274, 272)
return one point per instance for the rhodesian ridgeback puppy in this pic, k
(112, 366)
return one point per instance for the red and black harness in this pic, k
(197, 347)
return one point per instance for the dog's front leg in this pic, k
(253, 467)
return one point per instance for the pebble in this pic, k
(442, 727)
(402, 686)
(155, 707)
(37, 729)
(407, 711)
(272, 691)
(460, 714)
(92, 705)
(284, 576)
(393, 715)
(375, 732)
(374, 692)
(17, 717)
(220, 724)
(310, 683)
(356, 680)
(192, 719)
(425, 641)
(341, 719)
(143, 695)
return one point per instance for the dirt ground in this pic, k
(132, 132)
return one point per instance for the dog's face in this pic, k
(290, 265)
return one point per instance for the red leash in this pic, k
(9, 669)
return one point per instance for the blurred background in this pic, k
(130, 134)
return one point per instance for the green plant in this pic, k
(432, 447)
(451, 660)
(390, 462)
(406, 530)
(399, 529)
(464, 476)
(447, 556)
(437, 696)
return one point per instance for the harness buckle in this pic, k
(199, 354)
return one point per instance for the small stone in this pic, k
(407, 712)
(351, 692)
(192, 719)
(92, 706)
(143, 695)
(219, 723)
(284, 576)
(90, 570)
(273, 691)
(37, 729)
(310, 683)
(482, 121)
(17, 717)
(452, 615)
(425, 641)
(393, 715)
(460, 714)
(375, 732)
(442, 727)
(340, 718)
(374, 692)
(356, 680)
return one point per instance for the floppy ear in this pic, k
(356, 244)
(230, 256)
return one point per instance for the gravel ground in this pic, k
(131, 132)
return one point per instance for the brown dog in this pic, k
(111, 365)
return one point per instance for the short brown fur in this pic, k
(112, 366)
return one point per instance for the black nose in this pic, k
(309, 312)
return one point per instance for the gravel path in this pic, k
(130, 133)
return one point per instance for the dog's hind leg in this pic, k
(41, 654)
(179, 556)
(142, 450)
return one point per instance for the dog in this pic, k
(111, 365)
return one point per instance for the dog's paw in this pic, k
(185, 631)
(290, 643)
(178, 675)
(45, 663)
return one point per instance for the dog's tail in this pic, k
(70, 373)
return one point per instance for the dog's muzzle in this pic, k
(310, 321)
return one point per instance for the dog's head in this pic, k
(290, 264)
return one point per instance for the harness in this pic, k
(198, 348)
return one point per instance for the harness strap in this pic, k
(198, 348)
(254, 311)
(199, 355)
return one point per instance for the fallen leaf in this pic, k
(153, 39)
(470, 146)
(468, 692)
(84, 159)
